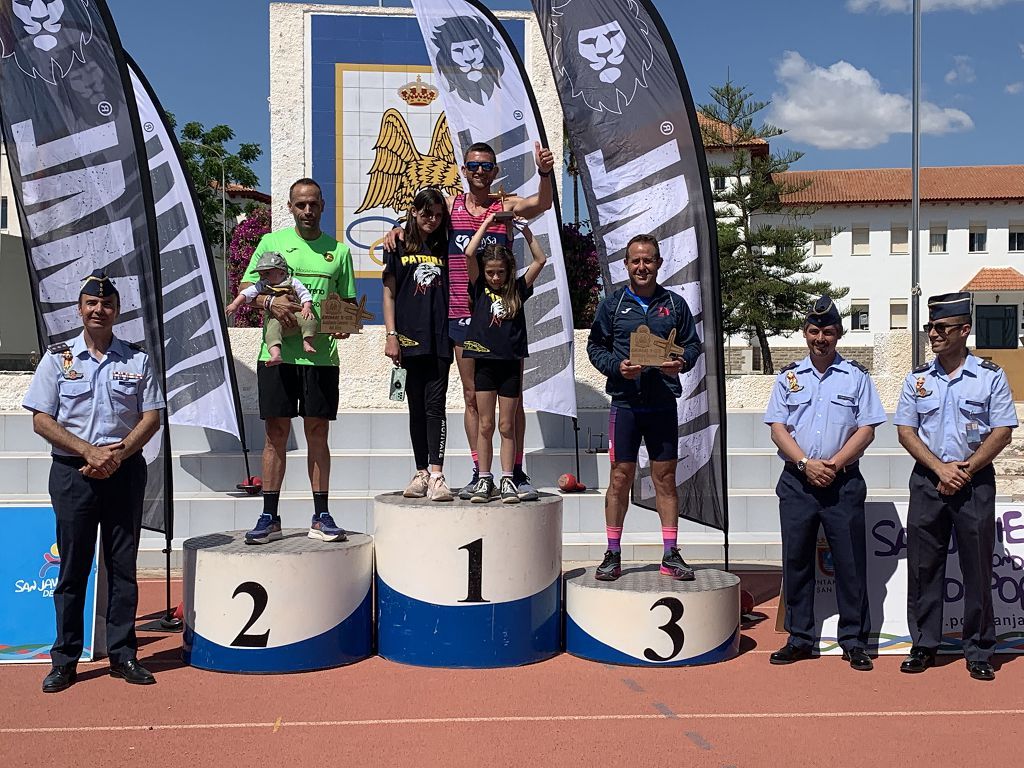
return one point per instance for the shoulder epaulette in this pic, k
(788, 367)
(990, 365)
(859, 366)
(58, 348)
(136, 346)
(922, 368)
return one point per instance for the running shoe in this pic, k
(672, 564)
(438, 490)
(268, 528)
(483, 491)
(418, 487)
(466, 492)
(324, 528)
(526, 490)
(610, 568)
(509, 492)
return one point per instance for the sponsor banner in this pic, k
(886, 524)
(197, 357)
(29, 564)
(487, 99)
(68, 117)
(633, 127)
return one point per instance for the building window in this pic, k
(861, 241)
(977, 239)
(1017, 237)
(3, 213)
(822, 241)
(859, 315)
(899, 239)
(996, 326)
(719, 183)
(937, 238)
(897, 316)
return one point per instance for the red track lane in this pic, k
(563, 712)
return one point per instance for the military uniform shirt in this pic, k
(97, 401)
(940, 408)
(822, 411)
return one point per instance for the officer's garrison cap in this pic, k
(823, 313)
(98, 284)
(949, 305)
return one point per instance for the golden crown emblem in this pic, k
(418, 94)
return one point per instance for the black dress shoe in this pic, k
(918, 661)
(132, 672)
(859, 659)
(981, 670)
(60, 677)
(789, 654)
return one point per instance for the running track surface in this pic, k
(562, 712)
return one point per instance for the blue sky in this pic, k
(838, 72)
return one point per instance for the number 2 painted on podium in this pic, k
(258, 593)
(670, 628)
(474, 585)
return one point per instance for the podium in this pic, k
(468, 585)
(290, 605)
(649, 620)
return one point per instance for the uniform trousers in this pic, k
(80, 505)
(930, 520)
(839, 509)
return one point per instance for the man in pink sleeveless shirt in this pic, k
(468, 211)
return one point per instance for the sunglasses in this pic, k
(941, 328)
(475, 165)
(430, 215)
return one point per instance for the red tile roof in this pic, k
(996, 279)
(892, 185)
(727, 134)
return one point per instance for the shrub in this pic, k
(243, 244)
(583, 272)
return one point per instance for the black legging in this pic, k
(426, 390)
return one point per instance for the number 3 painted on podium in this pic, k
(670, 628)
(259, 604)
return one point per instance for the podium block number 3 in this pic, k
(670, 628)
(475, 573)
(258, 593)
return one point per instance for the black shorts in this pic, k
(502, 376)
(288, 390)
(658, 430)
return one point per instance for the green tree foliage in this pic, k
(767, 279)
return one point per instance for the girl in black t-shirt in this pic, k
(497, 342)
(416, 317)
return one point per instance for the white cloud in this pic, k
(905, 6)
(1014, 88)
(1021, 47)
(843, 107)
(962, 71)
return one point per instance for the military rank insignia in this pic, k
(919, 388)
(792, 382)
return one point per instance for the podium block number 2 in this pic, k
(670, 628)
(475, 572)
(258, 593)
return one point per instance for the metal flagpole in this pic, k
(915, 198)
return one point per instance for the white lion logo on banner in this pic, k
(469, 58)
(606, 64)
(45, 38)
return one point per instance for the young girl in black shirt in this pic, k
(497, 343)
(416, 317)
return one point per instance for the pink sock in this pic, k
(669, 536)
(614, 537)
(519, 458)
(476, 460)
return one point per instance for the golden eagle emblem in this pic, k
(399, 171)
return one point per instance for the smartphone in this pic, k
(397, 384)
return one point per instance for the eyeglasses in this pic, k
(941, 328)
(475, 165)
(430, 215)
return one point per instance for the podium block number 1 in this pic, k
(670, 628)
(475, 574)
(258, 593)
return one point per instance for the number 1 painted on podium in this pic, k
(474, 586)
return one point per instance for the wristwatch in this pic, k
(391, 333)
(802, 464)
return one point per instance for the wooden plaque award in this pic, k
(647, 349)
(339, 316)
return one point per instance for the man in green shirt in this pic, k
(306, 383)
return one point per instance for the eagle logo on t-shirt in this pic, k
(425, 276)
(498, 311)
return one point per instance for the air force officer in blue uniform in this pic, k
(954, 416)
(95, 399)
(823, 412)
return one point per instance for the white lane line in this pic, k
(282, 724)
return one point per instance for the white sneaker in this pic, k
(418, 487)
(438, 490)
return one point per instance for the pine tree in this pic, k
(767, 281)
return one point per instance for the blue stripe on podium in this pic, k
(586, 646)
(348, 642)
(469, 636)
